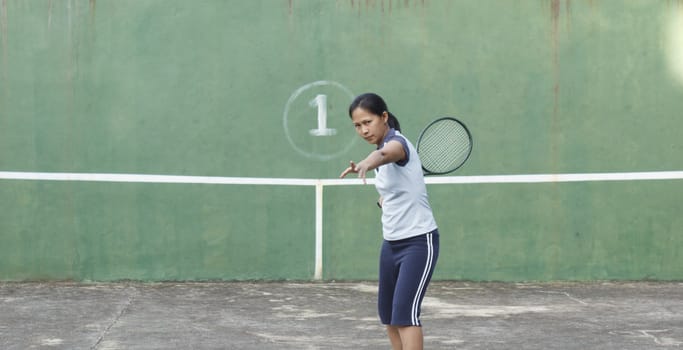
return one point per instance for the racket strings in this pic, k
(444, 146)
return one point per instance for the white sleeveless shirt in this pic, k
(405, 208)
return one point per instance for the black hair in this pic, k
(374, 104)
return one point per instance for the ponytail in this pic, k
(393, 122)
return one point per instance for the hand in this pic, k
(359, 168)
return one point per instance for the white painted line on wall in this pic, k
(141, 178)
(540, 178)
(318, 274)
(475, 179)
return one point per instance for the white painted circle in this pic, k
(299, 118)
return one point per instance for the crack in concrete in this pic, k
(568, 296)
(123, 310)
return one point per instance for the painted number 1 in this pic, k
(321, 102)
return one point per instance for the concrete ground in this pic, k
(287, 315)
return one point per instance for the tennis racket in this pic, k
(444, 146)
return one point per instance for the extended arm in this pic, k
(391, 152)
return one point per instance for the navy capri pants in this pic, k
(405, 269)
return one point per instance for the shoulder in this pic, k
(395, 135)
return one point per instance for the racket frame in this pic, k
(469, 138)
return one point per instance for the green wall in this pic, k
(221, 88)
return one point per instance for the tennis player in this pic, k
(411, 240)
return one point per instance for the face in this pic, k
(369, 126)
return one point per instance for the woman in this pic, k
(411, 240)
